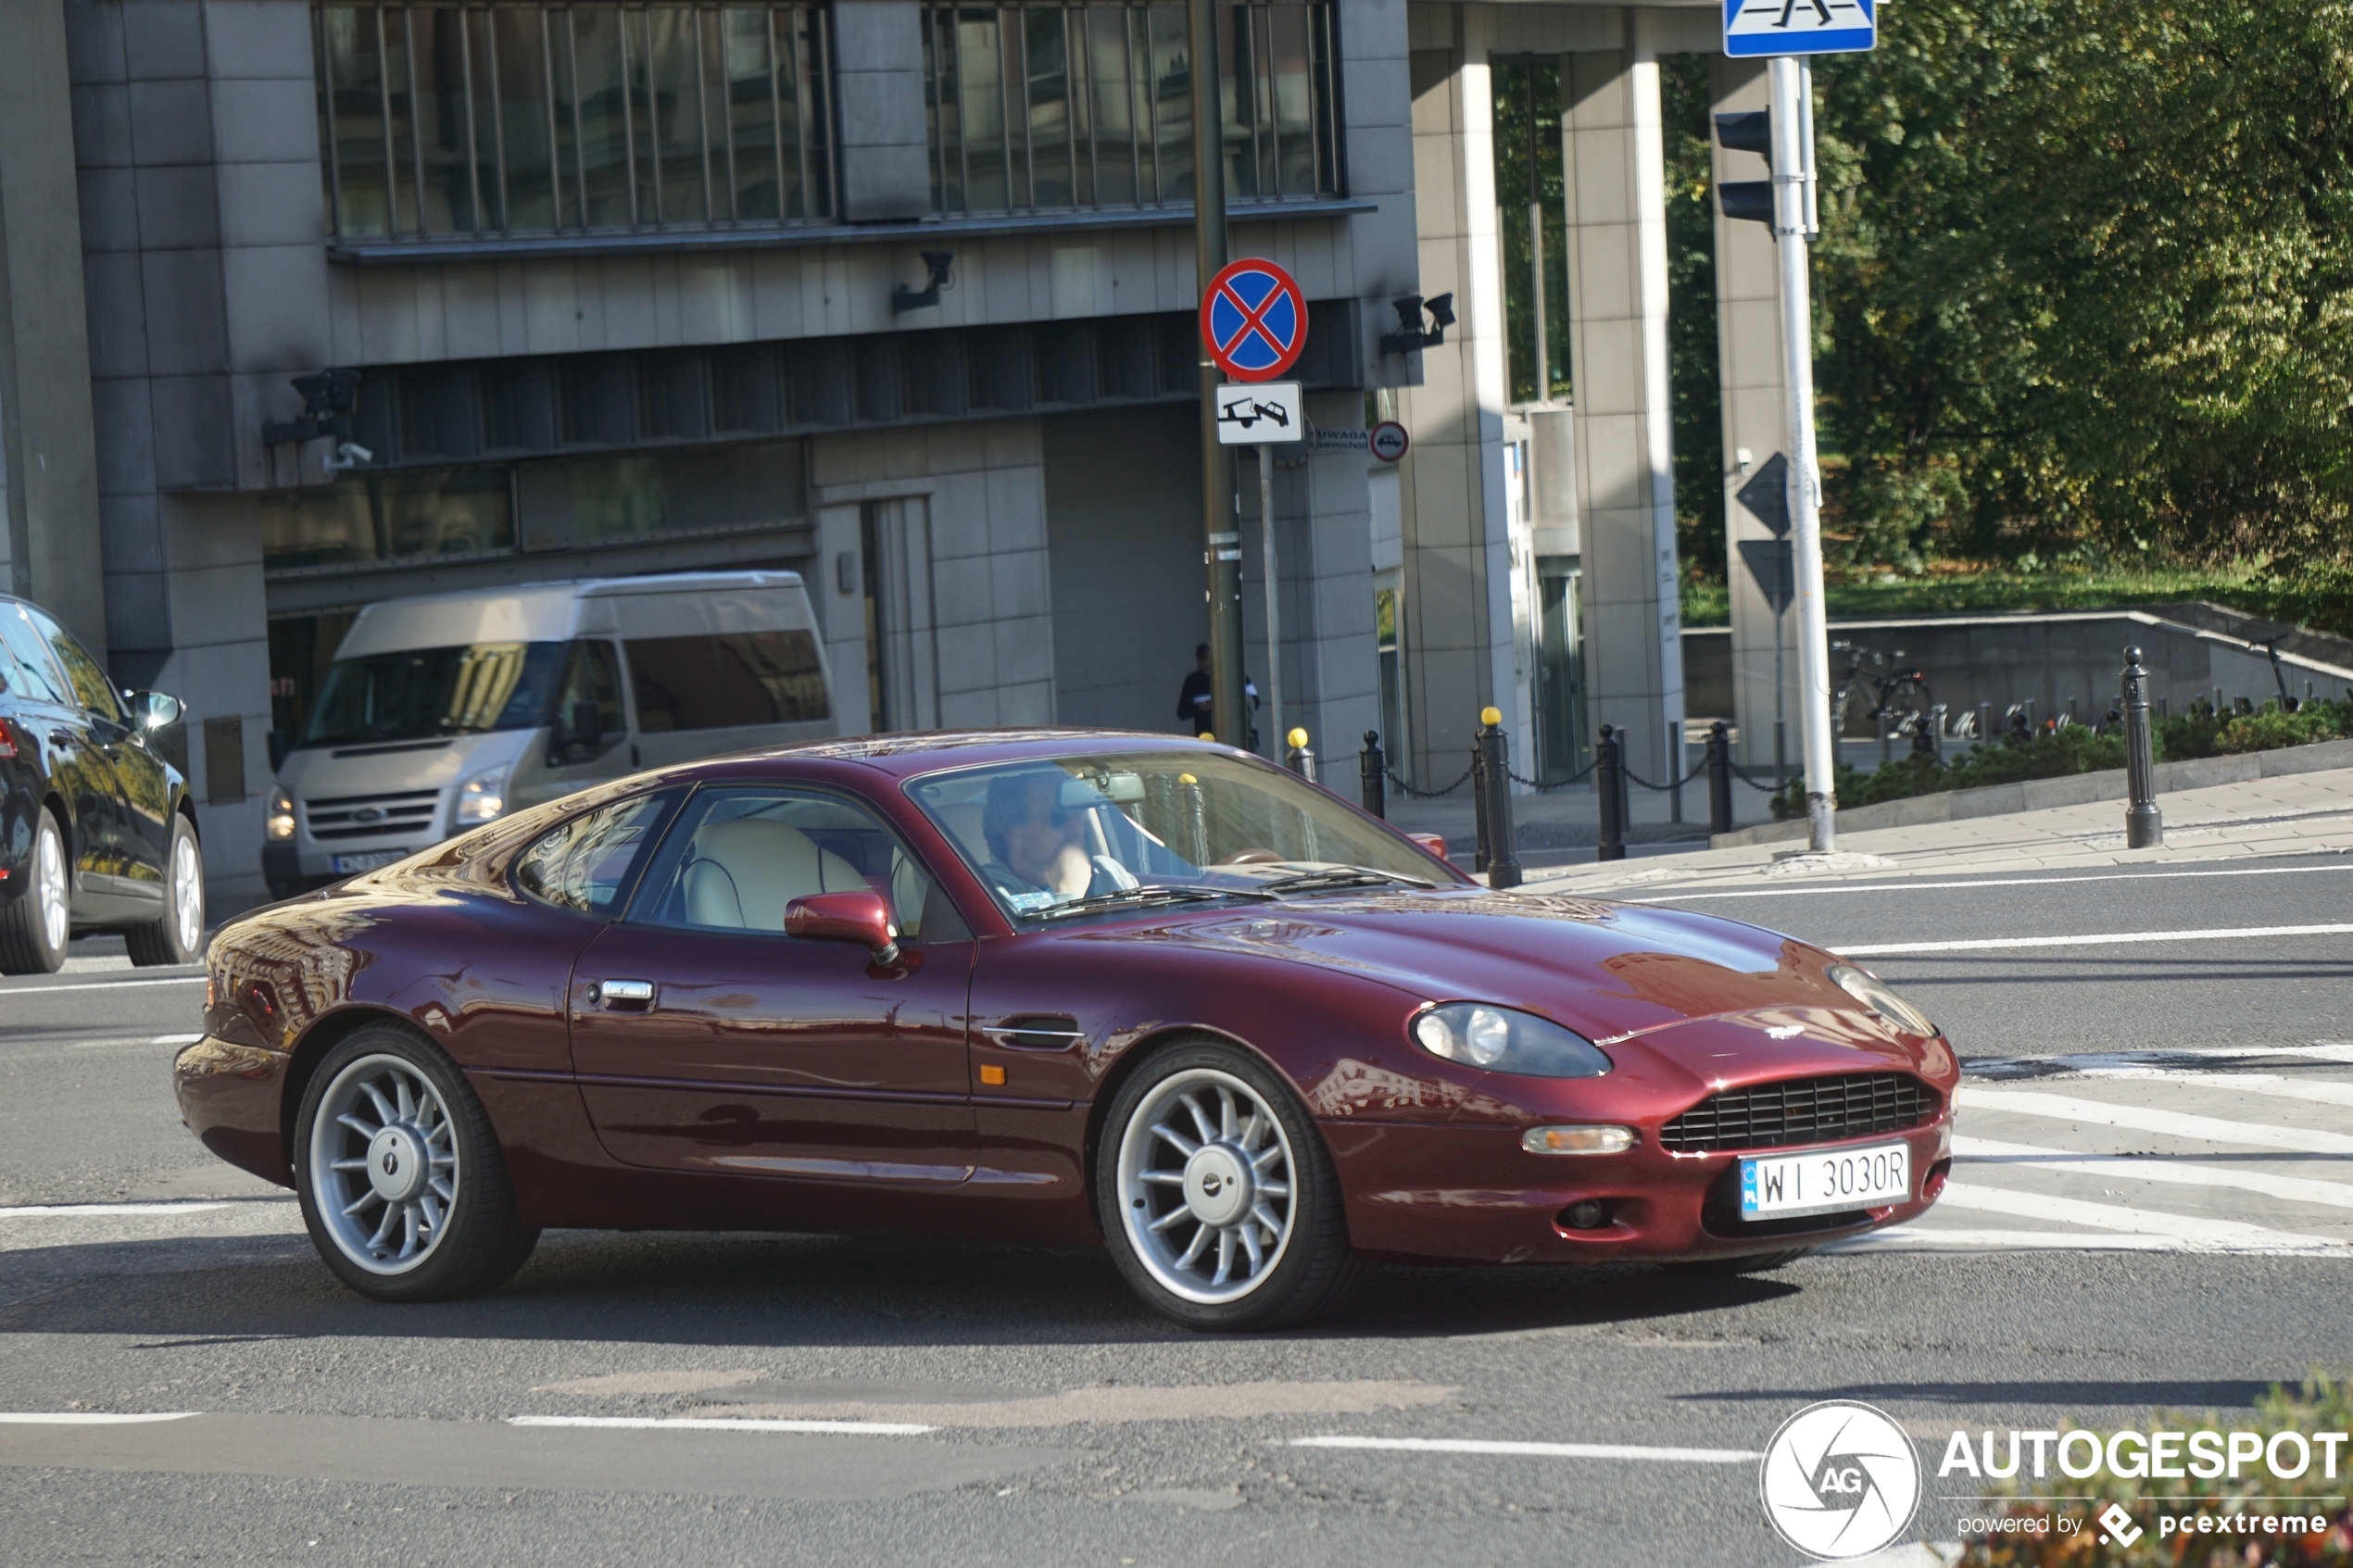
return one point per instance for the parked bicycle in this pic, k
(1896, 700)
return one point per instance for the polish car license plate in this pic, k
(344, 865)
(1826, 1180)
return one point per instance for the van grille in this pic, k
(372, 816)
(1803, 1110)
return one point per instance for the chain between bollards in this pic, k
(1495, 794)
(2144, 824)
(1609, 783)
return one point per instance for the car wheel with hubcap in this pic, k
(402, 1184)
(178, 937)
(1217, 1196)
(35, 929)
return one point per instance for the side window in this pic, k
(594, 675)
(91, 688)
(30, 659)
(736, 678)
(584, 863)
(740, 856)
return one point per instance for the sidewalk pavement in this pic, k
(2297, 814)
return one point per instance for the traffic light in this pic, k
(1748, 200)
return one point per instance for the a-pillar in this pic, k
(1748, 339)
(1615, 169)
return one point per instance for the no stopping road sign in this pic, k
(1253, 320)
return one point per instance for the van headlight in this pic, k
(1506, 1040)
(1880, 998)
(483, 798)
(281, 823)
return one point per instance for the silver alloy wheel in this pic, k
(187, 892)
(383, 1165)
(1206, 1185)
(49, 886)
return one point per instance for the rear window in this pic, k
(726, 682)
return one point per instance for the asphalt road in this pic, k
(1063, 1424)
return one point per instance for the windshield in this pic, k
(1063, 836)
(420, 693)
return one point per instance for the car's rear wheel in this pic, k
(35, 929)
(402, 1184)
(178, 937)
(1217, 1195)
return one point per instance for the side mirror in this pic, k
(152, 710)
(862, 918)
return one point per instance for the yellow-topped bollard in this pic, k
(1301, 760)
(1297, 739)
(1490, 717)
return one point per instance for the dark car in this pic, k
(1054, 987)
(96, 830)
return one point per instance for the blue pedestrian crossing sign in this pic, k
(1800, 27)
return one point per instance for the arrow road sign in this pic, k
(1767, 495)
(1260, 414)
(1800, 27)
(1253, 320)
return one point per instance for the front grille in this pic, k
(372, 816)
(1803, 1110)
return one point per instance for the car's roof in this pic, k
(923, 751)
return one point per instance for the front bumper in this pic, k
(1452, 1194)
(232, 1098)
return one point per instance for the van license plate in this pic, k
(344, 865)
(1826, 1180)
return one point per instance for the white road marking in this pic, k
(2211, 1129)
(2004, 881)
(1918, 1238)
(107, 986)
(2155, 1168)
(694, 1424)
(1539, 1450)
(2188, 1228)
(2313, 1091)
(175, 1039)
(2097, 939)
(2202, 1059)
(74, 1210)
(88, 1417)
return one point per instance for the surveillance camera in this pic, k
(347, 456)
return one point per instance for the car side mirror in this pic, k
(862, 918)
(152, 710)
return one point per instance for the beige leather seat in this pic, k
(745, 872)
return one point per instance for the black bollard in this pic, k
(1719, 777)
(1495, 757)
(1609, 782)
(1479, 804)
(2144, 824)
(1372, 774)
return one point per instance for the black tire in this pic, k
(1753, 1264)
(481, 1243)
(25, 927)
(1315, 1270)
(177, 936)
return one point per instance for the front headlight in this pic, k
(1880, 998)
(1504, 1040)
(483, 797)
(281, 823)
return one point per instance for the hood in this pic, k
(331, 772)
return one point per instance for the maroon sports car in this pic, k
(1056, 987)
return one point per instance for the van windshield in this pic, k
(420, 693)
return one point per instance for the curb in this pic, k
(2072, 789)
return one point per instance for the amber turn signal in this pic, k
(1577, 1140)
(992, 1076)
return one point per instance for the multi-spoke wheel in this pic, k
(1219, 1199)
(34, 930)
(401, 1182)
(178, 935)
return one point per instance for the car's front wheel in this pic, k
(399, 1172)
(35, 929)
(1217, 1195)
(178, 935)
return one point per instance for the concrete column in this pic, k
(1615, 176)
(48, 469)
(878, 69)
(1748, 343)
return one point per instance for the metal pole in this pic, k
(1372, 772)
(1274, 593)
(1482, 852)
(1221, 521)
(1609, 779)
(1494, 749)
(1719, 778)
(2144, 824)
(1789, 178)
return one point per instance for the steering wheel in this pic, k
(1248, 858)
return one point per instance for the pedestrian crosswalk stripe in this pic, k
(2154, 1168)
(2235, 1234)
(2147, 1119)
(1915, 1237)
(2312, 1091)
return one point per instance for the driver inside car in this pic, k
(1035, 852)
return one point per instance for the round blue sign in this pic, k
(1253, 320)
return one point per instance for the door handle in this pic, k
(61, 739)
(621, 995)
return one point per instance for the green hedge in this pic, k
(2050, 754)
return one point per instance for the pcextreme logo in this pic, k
(1840, 1480)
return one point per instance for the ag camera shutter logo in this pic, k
(1840, 1480)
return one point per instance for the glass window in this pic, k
(724, 682)
(418, 692)
(92, 690)
(43, 681)
(740, 856)
(1114, 829)
(388, 516)
(584, 863)
(593, 677)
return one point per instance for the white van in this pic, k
(446, 711)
